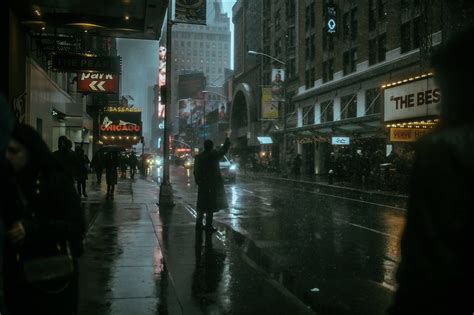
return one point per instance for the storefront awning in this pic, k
(265, 140)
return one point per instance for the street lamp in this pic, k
(252, 52)
(283, 162)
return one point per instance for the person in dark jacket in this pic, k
(83, 171)
(207, 175)
(66, 156)
(46, 214)
(297, 163)
(111, 163)
(6, 126)
(98, 165)
(435, 275)
(132, 162)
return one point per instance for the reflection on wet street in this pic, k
(335, 254)
(280, 248)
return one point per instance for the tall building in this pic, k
(340, 59)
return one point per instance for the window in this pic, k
(349, 61)
(382, 13)
(353, 59)
(405, 38)
(345, 25)
(417, 29)
(312, 15)
(349, 106)
(313, 48)
(328, 70)
(327, 111)
(354, 24)
(308, 115)
(277, 20)
(372, 51)
(382, 47)
(345, 63)
(373, 101)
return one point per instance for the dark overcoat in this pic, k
(50, 210)
(435, 275)
(207, 175)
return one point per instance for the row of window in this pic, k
(201, 36)
(201, 44)
(373, 105)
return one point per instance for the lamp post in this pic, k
(166, 191)
(283, 155)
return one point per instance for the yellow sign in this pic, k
(269, 108)
(122, 109)
(407, 134)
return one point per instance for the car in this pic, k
(228, 169)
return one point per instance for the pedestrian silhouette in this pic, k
(98, 165)
(66, 156)
(207, 175)
(436, 269)
(46, 220)
(132, 162)
(111, 163)
(83, 171)
(297, 162)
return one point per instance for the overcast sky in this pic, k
(140, 65)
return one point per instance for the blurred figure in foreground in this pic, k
(46, 222)
(436, 271)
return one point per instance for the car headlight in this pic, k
(233, 167)
(158, 162)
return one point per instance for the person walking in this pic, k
(132, 162)
(435, 273)
(98, 165)
(45, 226)
(83, 171)
(211, 194)
(111, 164)
(297, 162)
(66, 156)
(123, 166)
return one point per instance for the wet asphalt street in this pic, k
(282, 247)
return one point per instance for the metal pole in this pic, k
(166, 191)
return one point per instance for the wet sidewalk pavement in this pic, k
(140, 259)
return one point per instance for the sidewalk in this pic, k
(140, 259)
(344, 189)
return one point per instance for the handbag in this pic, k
(51, 274)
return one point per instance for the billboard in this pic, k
(94, 82)
(411, 100)
(120, 122)
(190, 11)
(161, 82)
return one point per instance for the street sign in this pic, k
(97, 82)
(76, 62)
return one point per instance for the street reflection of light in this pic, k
(233, 199)
(158, 265)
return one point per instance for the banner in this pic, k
(269, 108)
(190, 11)
(161, 82)
(278, 88)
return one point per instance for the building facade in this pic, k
(347, 52)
